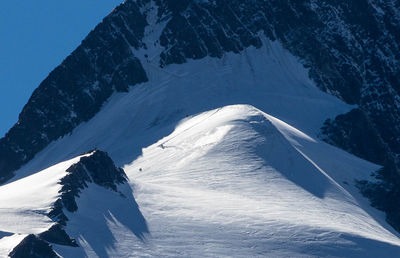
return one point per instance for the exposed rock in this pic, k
(75, 91)
(350, 47)
(33, 247)
(57, 235)
(98, 168)
(354, 133)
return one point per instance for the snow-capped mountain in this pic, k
(206, 128)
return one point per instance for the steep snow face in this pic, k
(268, 78)
(34, 193)
(220, 142)
(88, 189)
(24, 205)
(223, 159)
(238, 181)
(351, 49)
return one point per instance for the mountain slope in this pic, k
(36, 210)
(214, 111)
(217, 178)
(237, 181)
(233, 181)
(350, 49)
(268, 78)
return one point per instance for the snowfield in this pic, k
(25, 203)
(237, 181)
(223, 159)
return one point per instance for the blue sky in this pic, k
(35, 36)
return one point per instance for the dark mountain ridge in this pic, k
(349, 47)
(75, 91)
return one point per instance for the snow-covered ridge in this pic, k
(223, 158)
(38, 207)
(238, 174)
(216, 124)
(350, 49)
(238, 181)
(97, 168)
(24, 204)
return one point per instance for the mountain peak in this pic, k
(214, 110)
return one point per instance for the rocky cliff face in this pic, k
(98, 168)
(350, 47)
(75, 91)
(32, 246)
(95, 168)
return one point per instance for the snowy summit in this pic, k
(213, 129)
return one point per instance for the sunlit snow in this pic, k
(223, 158)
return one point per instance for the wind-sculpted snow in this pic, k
(236, 181)
(97, 168)
(219, 135)
(75, 91)
(216, 178)
(43, 210)
(349, 47)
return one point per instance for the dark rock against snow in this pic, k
(75, 90)
(33, 247)
(351, 49)
(57, 235)
(97, 168)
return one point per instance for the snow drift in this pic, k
(223, 159)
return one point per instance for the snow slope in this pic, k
(237, 181)
(224, 160)
(25, 203)
(268, 78)
(25, 206)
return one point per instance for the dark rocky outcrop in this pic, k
(57, 235)
(384, 194)
(37, 246)
(33, 247)
(353, 132)
(97, 168)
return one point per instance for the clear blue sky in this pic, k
(35, 36)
